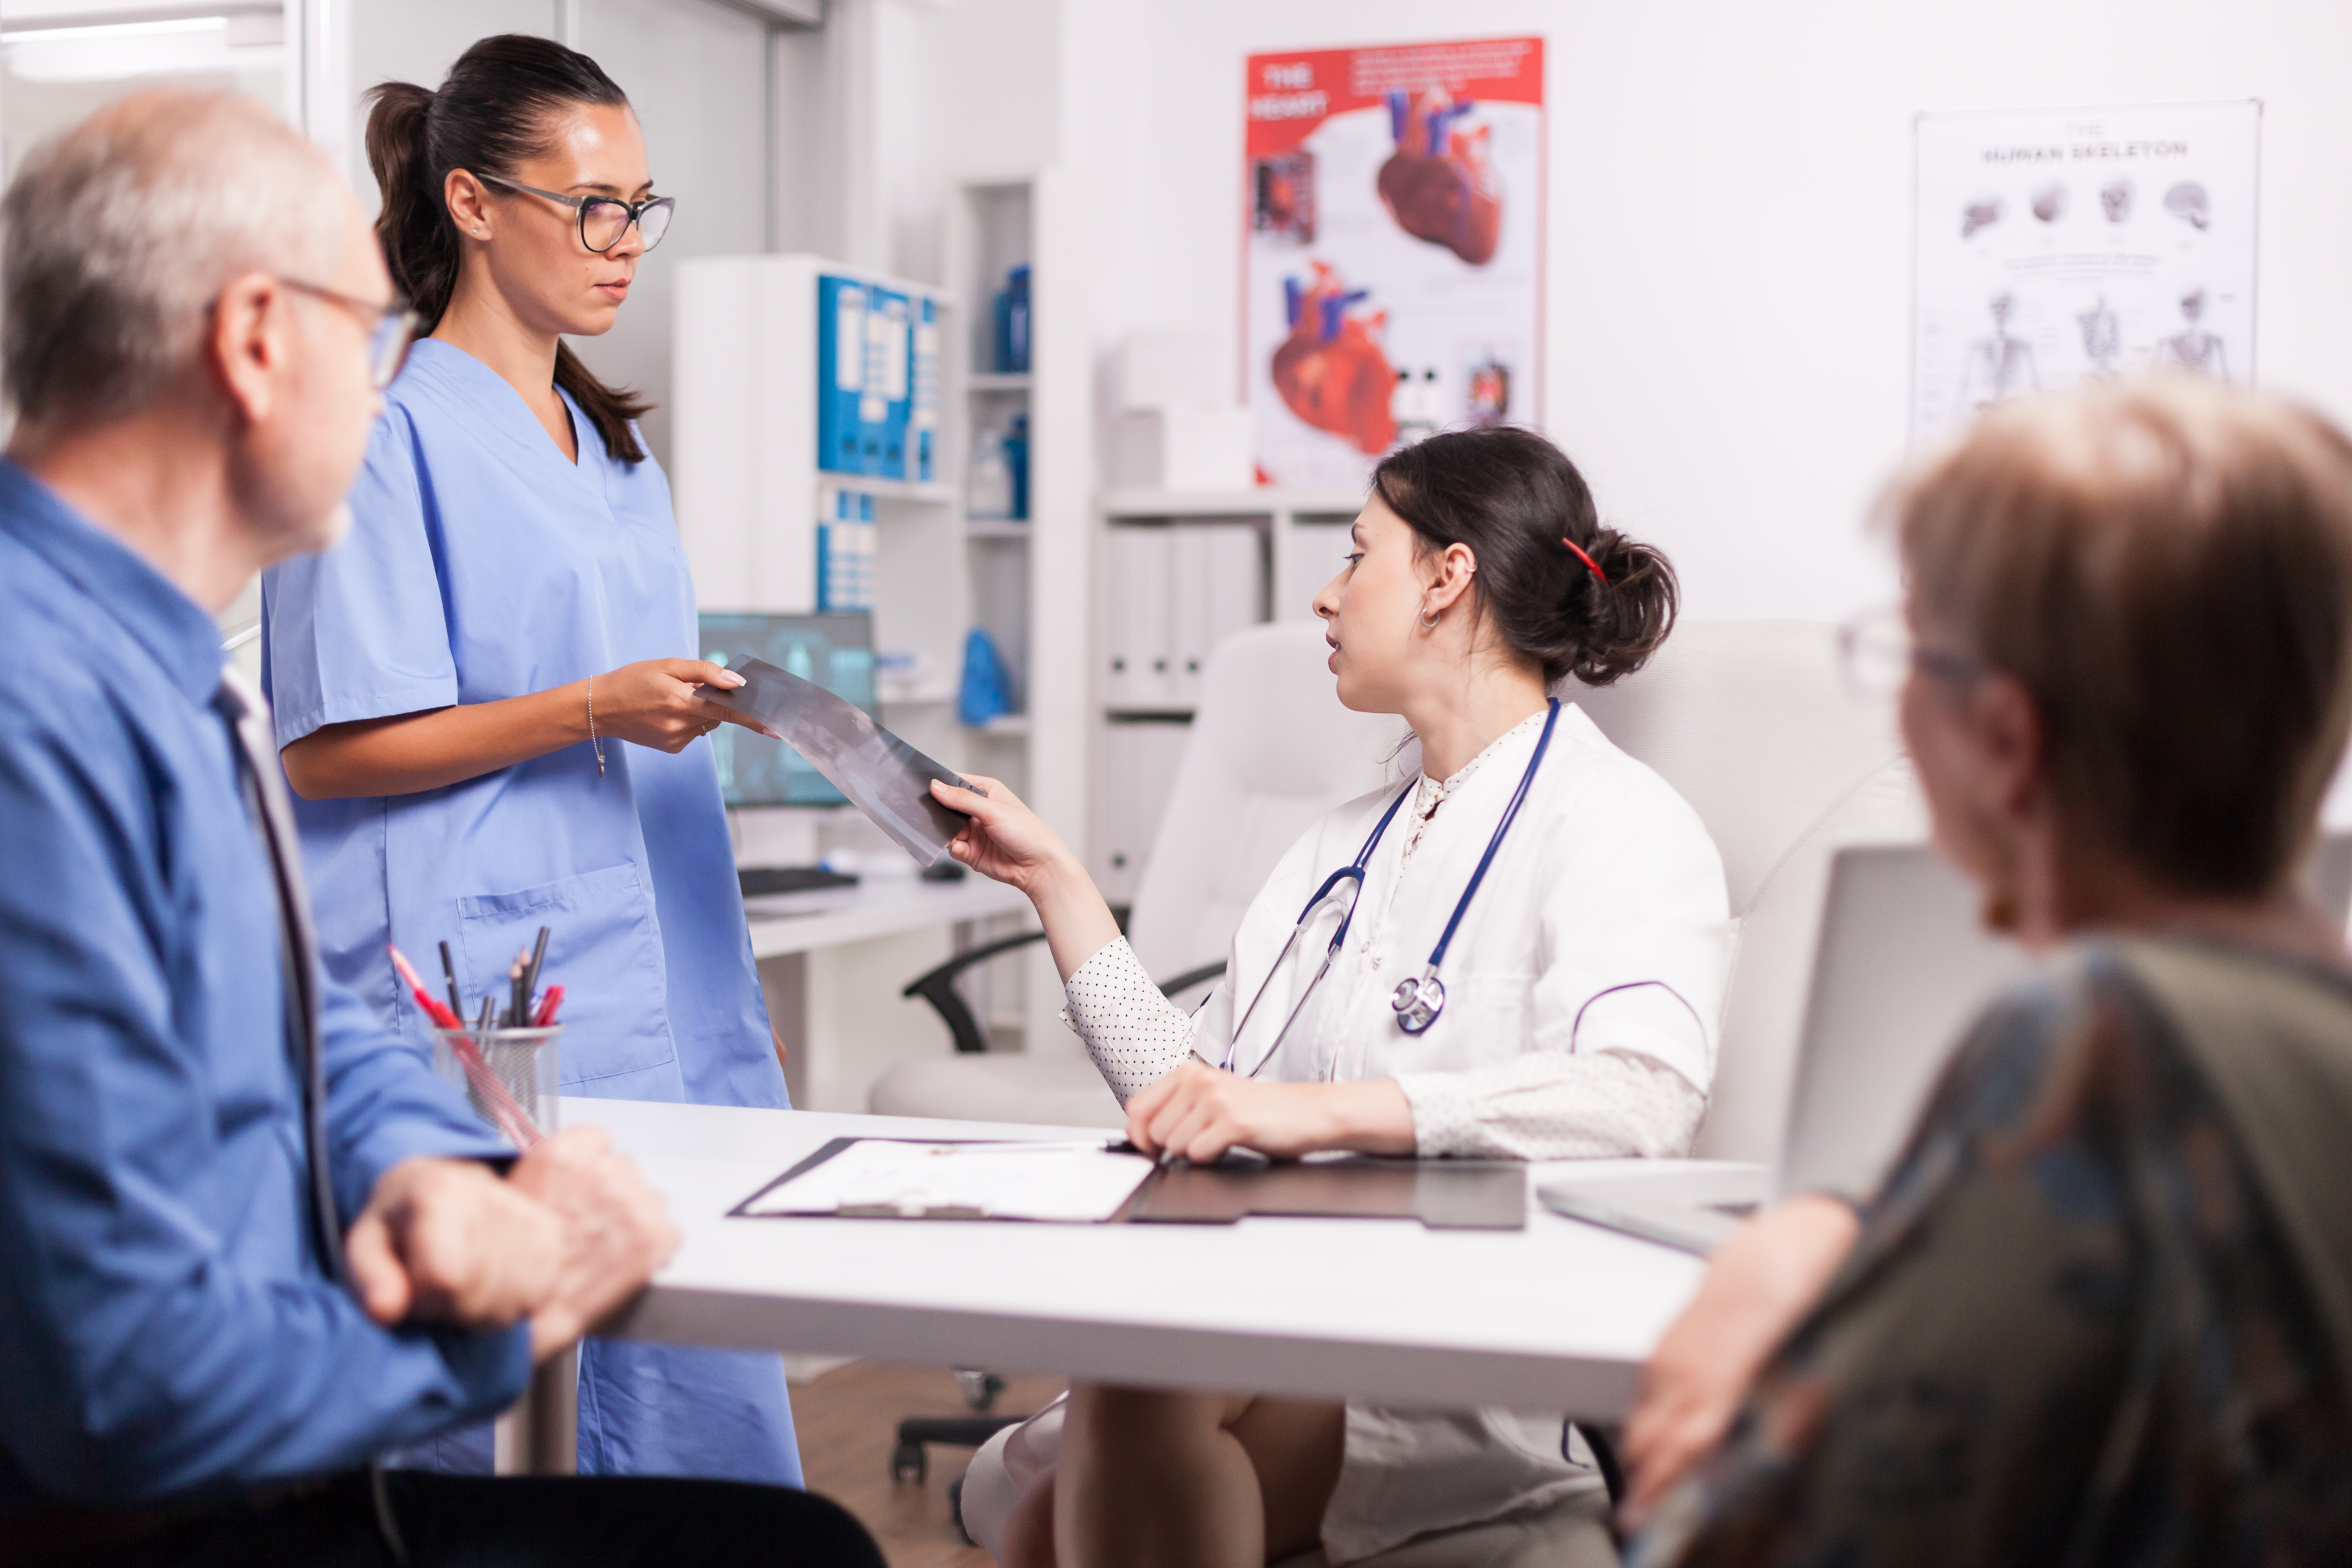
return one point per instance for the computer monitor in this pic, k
(835, 650)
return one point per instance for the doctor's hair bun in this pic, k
(1517, 503)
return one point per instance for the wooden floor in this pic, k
(848, 1420)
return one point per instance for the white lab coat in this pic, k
(1601, 926)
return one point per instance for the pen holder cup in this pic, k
(517, 1075)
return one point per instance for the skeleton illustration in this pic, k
(2050, 202)
(2001, 366)
(1982, 213)
(2103, 339)
(2116, 200)
(2187, 202)
(2193, 348)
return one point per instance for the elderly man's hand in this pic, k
(615, 1231)
(448, 1241)
(1756, 1286)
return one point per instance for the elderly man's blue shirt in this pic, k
(165, 1324)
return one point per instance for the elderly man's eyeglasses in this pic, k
(391, 328)
(602, 219)
(1878, 653)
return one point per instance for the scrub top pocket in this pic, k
(613, 1002)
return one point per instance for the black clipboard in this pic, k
(1443, 1195)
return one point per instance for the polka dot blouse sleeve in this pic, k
(1135, 1033)
(1555, 1105)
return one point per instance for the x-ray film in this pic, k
(883, 776)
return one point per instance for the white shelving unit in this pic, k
(1028, 580)
(748, 484)
(1302, 536)
(744, 462)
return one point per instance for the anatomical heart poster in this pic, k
(1392, 281)
(2059, 247)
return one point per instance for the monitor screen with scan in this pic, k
(835, 650)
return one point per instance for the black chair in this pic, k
(938, 987)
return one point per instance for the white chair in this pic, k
(1754, 724)
(1271, 750)
(1750, 721)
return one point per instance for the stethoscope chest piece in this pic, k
(1418, 1002)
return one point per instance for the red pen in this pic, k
(435, 1009)
(547, 1006)
(511, 1117)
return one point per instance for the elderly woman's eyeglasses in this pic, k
(392, 329)
(602, 219)
(1878, 653)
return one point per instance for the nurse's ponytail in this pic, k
(490, 115)
(1559, 589)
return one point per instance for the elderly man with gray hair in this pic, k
(247, 1241)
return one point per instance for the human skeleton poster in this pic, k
(2059, 247)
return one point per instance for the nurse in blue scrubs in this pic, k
(486, 698)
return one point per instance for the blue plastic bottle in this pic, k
(1012, 323)
(983, 693)
(1015, 443)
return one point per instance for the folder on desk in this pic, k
(1086, 1182)
(885, 1178)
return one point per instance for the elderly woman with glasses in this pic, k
(486, 698)
(2101, 1312)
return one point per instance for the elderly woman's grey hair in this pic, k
(121, 232)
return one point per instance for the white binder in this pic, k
(1138, 641)
(1219, 588)
(1135, 774)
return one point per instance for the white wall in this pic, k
(697, 72)
(1728, 348)
(966, 88)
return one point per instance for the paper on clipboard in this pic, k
(883, 776)
(1074, 1182)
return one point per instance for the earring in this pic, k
(1429, 621)
(2000, 911)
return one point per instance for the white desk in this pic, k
(877, 907)
(833, 961)
(1556, 1317)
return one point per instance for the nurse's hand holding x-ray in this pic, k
(649, 703)
(1196, 1110)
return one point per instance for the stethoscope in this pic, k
(1418, 1002)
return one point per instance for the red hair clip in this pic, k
(1590, 564)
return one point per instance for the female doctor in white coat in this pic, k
(1529, 966)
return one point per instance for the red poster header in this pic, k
(1289, 95)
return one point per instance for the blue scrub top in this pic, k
(482, 565)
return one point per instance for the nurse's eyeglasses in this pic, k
(392, 329)
(602, 219)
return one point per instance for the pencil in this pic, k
(530, 976)
(449, 972)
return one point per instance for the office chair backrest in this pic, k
(1753, 723)
(1271, 750)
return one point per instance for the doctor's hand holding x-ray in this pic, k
(1197, 1111)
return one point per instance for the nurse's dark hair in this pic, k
(1517, 503)
(495, 108)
